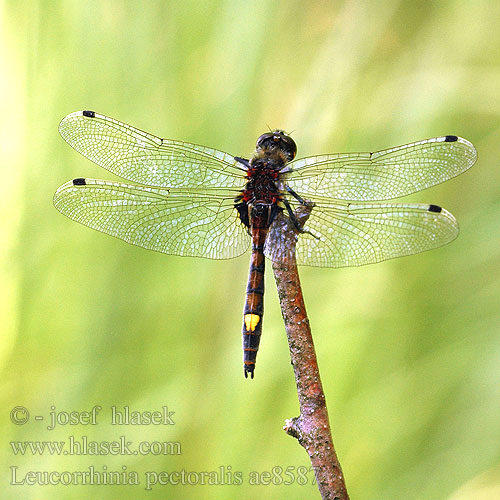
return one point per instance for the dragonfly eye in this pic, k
(278, 139)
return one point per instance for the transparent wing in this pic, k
(197, 223)
(384, 175)
(346, 234)
(140, 157)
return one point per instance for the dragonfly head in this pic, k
(277, 139)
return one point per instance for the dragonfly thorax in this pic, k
(263, 176)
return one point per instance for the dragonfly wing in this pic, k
(197, 223)
(383, 175)
(346, 234)
(140, 157)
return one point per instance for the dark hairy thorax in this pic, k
(261, 191)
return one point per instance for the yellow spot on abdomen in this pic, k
(251, 321)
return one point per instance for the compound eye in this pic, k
(289, 146)
(292, 148)
(263, 138)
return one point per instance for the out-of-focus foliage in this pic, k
(409, 350)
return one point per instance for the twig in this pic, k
(311, 428)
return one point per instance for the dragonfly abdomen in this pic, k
(260, 216)
(254, 303)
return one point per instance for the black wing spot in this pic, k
(451, 138)
(79, 182)
(434, 208)
(89, 114)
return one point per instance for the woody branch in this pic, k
(311, 428)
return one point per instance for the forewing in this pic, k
(198, 223)
(384, 175)
(364, 233)
(140, 157)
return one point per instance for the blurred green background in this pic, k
(409, 350)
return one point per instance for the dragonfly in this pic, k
(191, 200)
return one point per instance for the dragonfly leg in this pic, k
(296, 223)
(296, 195)
(243, 161)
